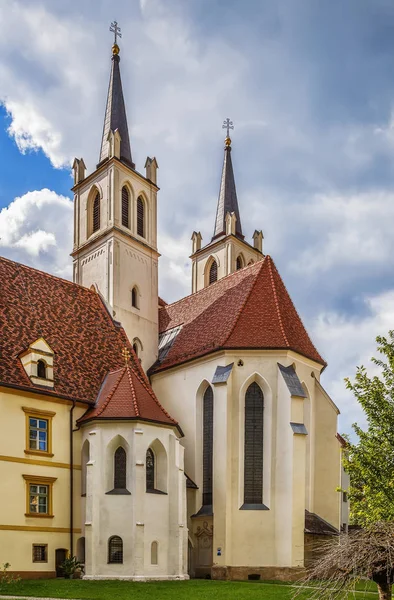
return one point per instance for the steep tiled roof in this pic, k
(73, 320)
(249, 309)
(126, 394)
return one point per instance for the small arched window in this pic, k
(134, 297)
(96, 213)
(240, 262)
(140, 217)
(115, 550)
(207, 444)
(251, 262)
(120, 469)
(213, 272)
(154, 553)
(253, 458)
(135, 348)
(41, 369)
(150, 470)
(125, 207)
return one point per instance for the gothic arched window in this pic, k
(150, 470)
(213, 272)
(154, 553)
(140, 217)
(135, 348)
(41, 369)
(96, 213)
(125, 207)
(134, 297)
(253, 459)
(240, 262)
(115, 550)
(207, 447)
(120, 469)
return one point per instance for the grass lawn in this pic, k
(196, 589)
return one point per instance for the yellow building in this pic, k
(91, 461)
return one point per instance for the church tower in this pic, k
(227, 251)
(115, 226)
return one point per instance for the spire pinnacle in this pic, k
(115, 113)
(227, 202)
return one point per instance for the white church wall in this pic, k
(139, 518)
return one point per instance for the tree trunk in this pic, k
(385, 591)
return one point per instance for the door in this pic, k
(60, 557)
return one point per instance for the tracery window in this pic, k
(140, 217)
(150, 470)
(96, 213)
(213, 272)
(120, 469)
(207, 456)
(115, 550)
(125, 207)
(253, 454)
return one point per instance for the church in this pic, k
(154, 440)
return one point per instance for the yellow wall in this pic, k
(18, 532)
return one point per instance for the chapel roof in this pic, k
(126, 394)
(249, 309)
(73, 320)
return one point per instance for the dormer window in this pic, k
(41, 369)
(37, 361)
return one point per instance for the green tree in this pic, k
(370, 460)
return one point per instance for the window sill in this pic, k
(39, 453)
(39, 516)
(253, 507)
(157, 492)
(118, 492)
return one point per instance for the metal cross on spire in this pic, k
(227, 124)
(115, 30)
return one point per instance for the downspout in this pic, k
(71, 481)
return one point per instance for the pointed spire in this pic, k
(115, 113)
(227, 202)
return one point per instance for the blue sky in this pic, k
(310, 87)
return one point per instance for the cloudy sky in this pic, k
(310, 88)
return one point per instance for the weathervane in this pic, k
(116, 31)
(227, 124)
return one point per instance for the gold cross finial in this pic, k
(126, 355)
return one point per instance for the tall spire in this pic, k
(227, 202)
(115, 113)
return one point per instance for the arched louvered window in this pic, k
(140, 217)
(240, 262)
(253, 459)
(120, 469)
(125, 207)
(115, 550)
(41, 369)
(134, 297)
(150, 470)
(154, 553)
(96, 213)
(213, 272)
(207, 452)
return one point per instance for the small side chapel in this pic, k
(156, 440)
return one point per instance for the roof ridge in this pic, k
(111, 393)
(277, 302)
(19, 264)
(150, 391)
(240, 311)
(211, 285)
(133, 394)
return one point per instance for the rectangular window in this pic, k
(40, 553)
(344, 496)
(38, 431)
(39, 496)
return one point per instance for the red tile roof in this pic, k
(73, 320)
(126, 394)
(249, 309)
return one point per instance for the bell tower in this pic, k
(227, 251)
(115, 226)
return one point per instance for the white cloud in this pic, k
(36, 229)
